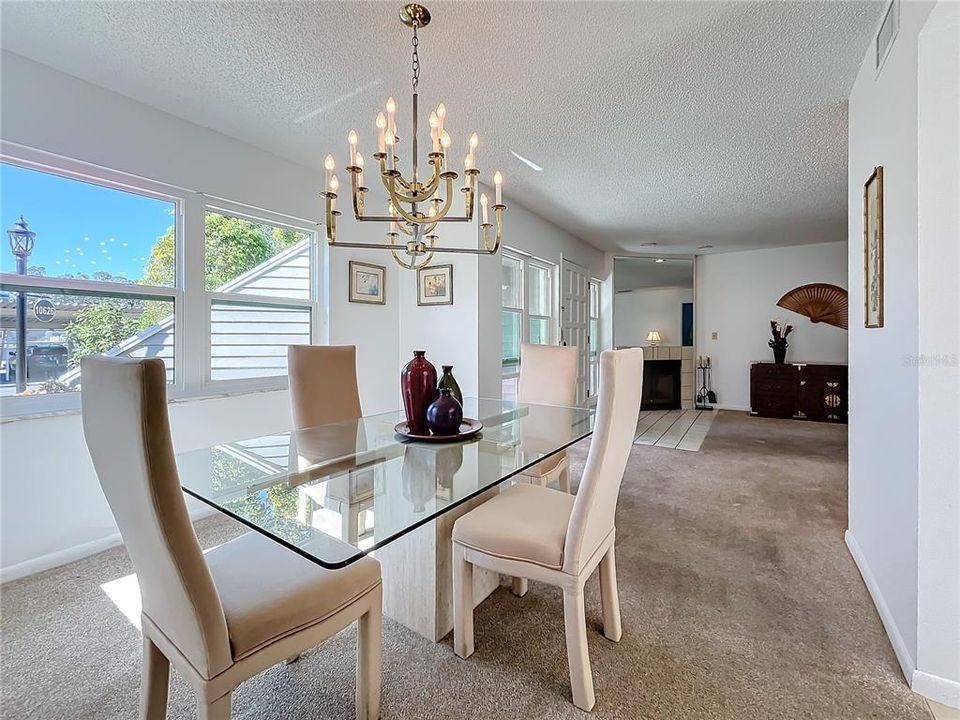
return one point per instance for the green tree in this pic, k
(99, 327)
(233, 246)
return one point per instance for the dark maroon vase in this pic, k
(445, 414)
(418, 385)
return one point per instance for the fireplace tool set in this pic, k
(706, 397)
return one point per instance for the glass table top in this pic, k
(334, 493)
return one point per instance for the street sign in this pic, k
(44, 310)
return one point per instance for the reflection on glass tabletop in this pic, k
(336, 492)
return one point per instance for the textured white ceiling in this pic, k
(682, 124)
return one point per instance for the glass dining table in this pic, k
(335, 493)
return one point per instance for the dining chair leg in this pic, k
(218, 709)
(519, 586)
(291, 660)
(369, 643)
(155, 682)
(575, 624)
(564, 480)
(610, 597)
(462, 603)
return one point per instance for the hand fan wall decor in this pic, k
(820, 302)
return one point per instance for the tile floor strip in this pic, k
(672, 437)
(697, 432)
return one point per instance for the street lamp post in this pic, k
(21, 245)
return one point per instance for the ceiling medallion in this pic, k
(416, 207)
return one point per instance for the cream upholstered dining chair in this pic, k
(542, 534)
(548, 376)
(323, 384)
(224, 616)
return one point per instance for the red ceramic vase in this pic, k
(418, 385)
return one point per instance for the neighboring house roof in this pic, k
(275, 267)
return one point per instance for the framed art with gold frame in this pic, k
(873, 249)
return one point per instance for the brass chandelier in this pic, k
(416, 207)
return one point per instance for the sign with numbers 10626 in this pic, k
(44, 310)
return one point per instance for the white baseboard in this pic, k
(904, 657)
(77, 552)
(936, 688)
(736, 408)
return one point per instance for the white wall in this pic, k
(938, 255)
(904, 420)
(51, 506)
(638, 312)
(883, 385)
(737, 297)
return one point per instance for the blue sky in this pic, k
(80, 227)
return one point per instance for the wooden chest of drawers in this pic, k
(805, 391)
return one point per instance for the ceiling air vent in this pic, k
(887, 32)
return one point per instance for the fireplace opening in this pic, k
(661, 385)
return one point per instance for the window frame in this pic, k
(192, 302)
(593, 358)
(527, 264)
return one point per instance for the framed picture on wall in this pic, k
(435, 285)
(367, 283)
(873, 249)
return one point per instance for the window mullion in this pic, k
(194, 319)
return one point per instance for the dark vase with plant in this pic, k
(418, 386)
(447, 380)
(779, 341)
(444, 414)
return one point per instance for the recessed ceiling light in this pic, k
(704, 247)
(529, 163)
(659, 260)
(647, 244)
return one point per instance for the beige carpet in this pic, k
(739, 601)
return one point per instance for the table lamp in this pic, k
(653, 337)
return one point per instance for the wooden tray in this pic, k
(468, 428)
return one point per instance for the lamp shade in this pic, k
(653, 336)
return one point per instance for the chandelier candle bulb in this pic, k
(434, 132)
(359, 163)
(381, 133)
(445, 140)
(474, 143)
(498, 183)
(352, 141)
(329, 165)
(484, 212)
(441, 116)
(391, 116)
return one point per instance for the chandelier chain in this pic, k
(416, 58)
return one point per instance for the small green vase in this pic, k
(447, 380)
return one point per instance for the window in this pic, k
(593, 338)
(528, 299)
(512, 320)
(91, 281)
(127, 267)
(258, 280)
